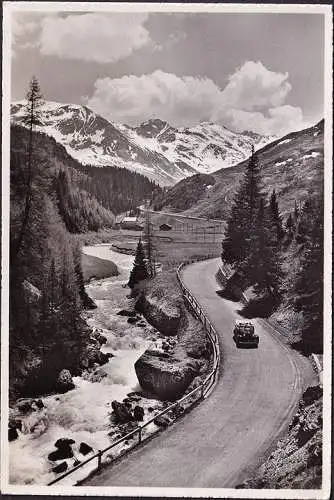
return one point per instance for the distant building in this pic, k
(165, 227)
(131, 223)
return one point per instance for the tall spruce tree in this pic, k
(263, 264)
(309, 283)
(275, 216)
(139, 271)
(149, 245)
(237, 239)
(31, 119)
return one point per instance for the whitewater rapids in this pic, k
(82, 414)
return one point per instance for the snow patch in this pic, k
(314, 154)
(285, 141)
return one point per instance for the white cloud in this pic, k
(252, 100)
(99, 37)
(278, 121)
(254, 86)
(132, 99)
(24, 29)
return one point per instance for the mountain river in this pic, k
(83, 414)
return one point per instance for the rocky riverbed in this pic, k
(84, 414)
(51, 435)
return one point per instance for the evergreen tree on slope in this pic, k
(241, 223)
(275, 216)
(139, 270)
(31, 119)
(264, 259)
(309, 285)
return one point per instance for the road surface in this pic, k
(225, 437)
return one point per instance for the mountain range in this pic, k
(162, 153)
(292, 165)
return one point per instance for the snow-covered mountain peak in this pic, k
(163, 153)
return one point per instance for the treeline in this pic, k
(118, 189)
(47, 333)
(79, 209)
(258, 241)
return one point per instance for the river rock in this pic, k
(166, 320)
(12, 434)
(24, 405)
(95, 376)
(127, 428)
(84, 448)
(162, 421)
(94, 355)
(64, 381)
(63, 442)
(164, 375)
(121, 413)
(60, 468)
(99, 337)
(138, 413)
(126, 312)
(15, 423)
(64, 450)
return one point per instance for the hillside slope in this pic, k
(292, 166)
(114, 189)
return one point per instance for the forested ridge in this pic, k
(281, 260)
(47, 333)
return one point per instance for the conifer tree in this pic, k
(275, 215)
(149, 245)
(139, 270)
(290, 226)
(296, 212)
(309, 284)
(264, 260)
(236, 243)
(31, 119)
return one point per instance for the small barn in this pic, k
(165, 227)
(131, 223)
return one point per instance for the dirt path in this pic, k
(223, 439)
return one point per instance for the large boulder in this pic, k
(121, 413)
(127, 312)
(64, 450)
(12, 433)
(93, 355)
(160, 313)
(64, 381)
(164, 375)
(85, 448)
(99, 337)
(62, 467)
(138, 413)
(26, 405)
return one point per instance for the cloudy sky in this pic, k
(260, 72)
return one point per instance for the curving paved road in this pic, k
(224, 438)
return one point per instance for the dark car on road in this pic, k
(244, 334)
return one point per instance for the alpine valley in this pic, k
(155, 149)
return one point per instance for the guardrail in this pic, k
(201, 390)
